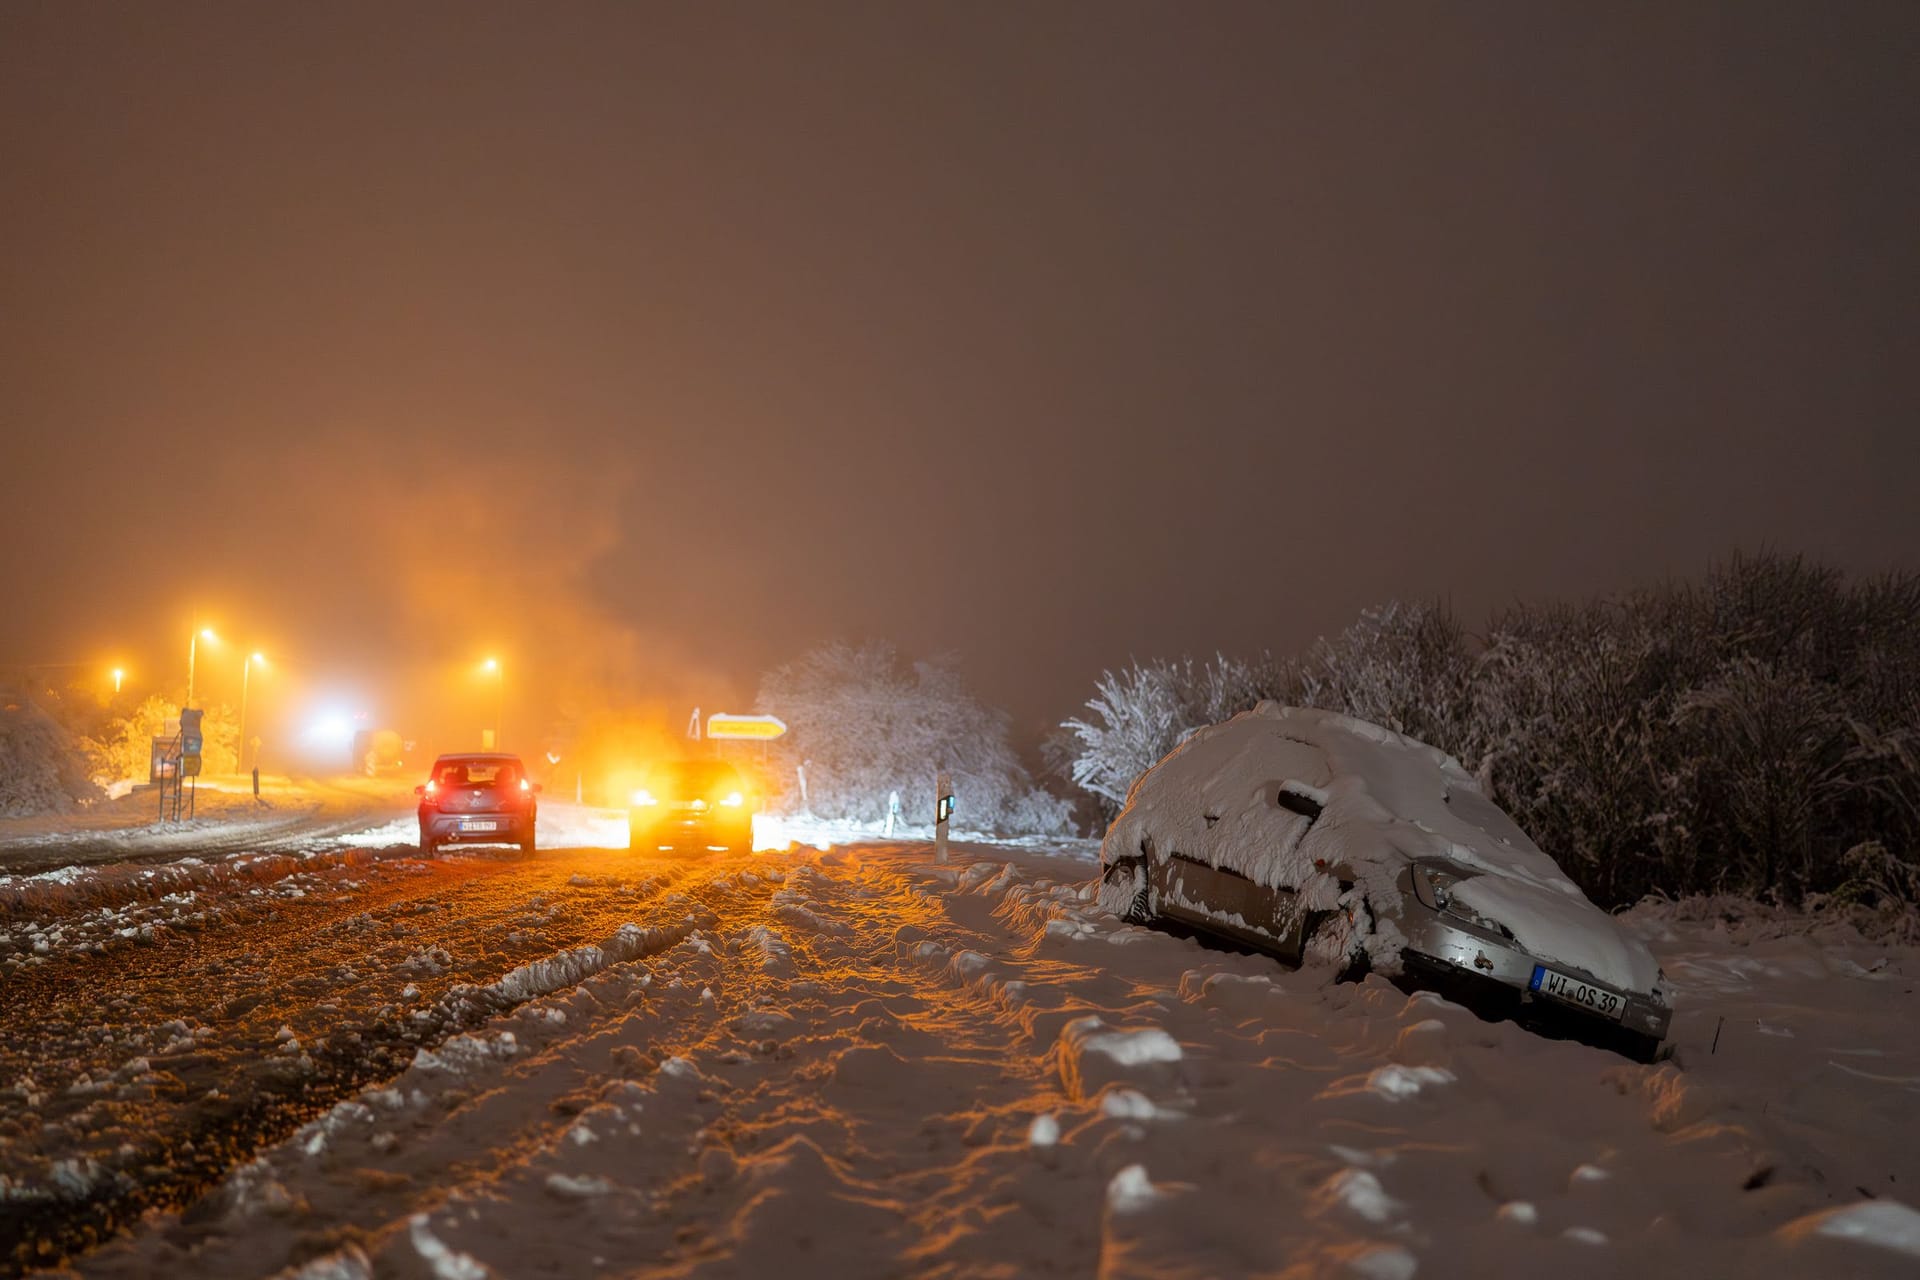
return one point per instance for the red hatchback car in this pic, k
(484, 798)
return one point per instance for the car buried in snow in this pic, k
(1321, 838)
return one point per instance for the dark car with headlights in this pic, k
(481, 798)
(693, 805)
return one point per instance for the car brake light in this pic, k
(525, 785)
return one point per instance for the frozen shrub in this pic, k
(1136, 720)
(1768, 773)
(1140, 713)
(1403, 666)
(43, 768)
(866, 724)
(1756, 733)
(123, 751)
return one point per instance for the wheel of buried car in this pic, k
(1324, 839)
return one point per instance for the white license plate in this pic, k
(479, 824)
(1573, 991)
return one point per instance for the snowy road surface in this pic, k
(228, 818)
(857, 1063)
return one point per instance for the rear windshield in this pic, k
(477, 773)
(696, 778)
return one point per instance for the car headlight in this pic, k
(734, 800)
(1433, 884)
(643, 797)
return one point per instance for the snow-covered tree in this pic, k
(43, 768)
(123, 752)
(864, 723)
(1142, 712)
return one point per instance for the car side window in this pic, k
(1295, 799)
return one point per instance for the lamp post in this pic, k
(246, 670)
(119, 675)
(193, 645)
(500, 698)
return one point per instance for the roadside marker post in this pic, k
(942, 814)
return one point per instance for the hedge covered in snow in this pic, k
(1757, 733)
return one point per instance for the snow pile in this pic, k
(1882, 1224)
(570, 968)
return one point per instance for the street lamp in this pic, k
(245, 671)
(119, 675)
(492, 667)
(193, 644)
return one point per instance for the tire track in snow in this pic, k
(189, 1114)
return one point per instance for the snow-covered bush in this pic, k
(43, 768)
(863, 724)
(1756, 733)
(1407, 667)
(1140, 713)
(1768, 771)
(123, 750)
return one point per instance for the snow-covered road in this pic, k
(228, 818)
(860, 1063)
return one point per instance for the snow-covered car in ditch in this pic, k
(1319, 837)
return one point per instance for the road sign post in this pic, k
(942, 814)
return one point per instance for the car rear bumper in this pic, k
(508, 828)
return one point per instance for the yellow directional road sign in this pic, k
(752, 728)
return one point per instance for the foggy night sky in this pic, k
(1052, 334)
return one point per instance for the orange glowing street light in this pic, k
(119, 676)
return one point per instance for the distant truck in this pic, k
(377, 752)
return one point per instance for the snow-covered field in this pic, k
(228, 818)
(861, 1063)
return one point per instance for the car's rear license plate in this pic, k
(1576, 992)
(479, 824)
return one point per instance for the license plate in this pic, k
(1573, 991)
(477, 824)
